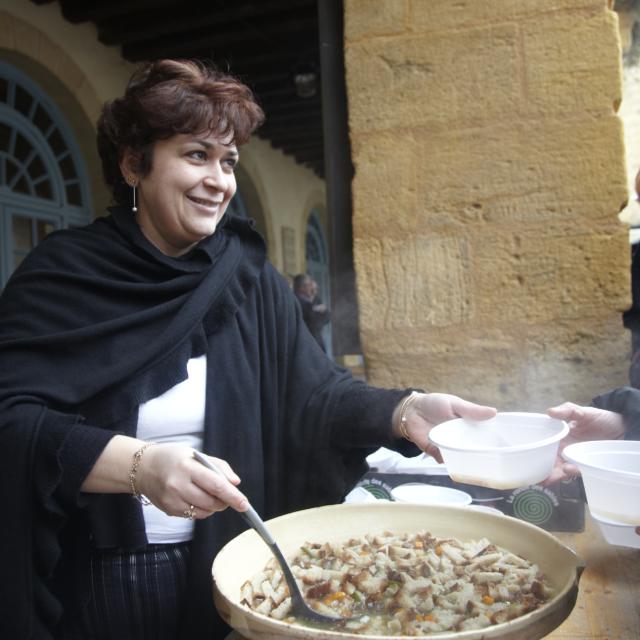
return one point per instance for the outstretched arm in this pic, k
(585, 423)
(429, 409)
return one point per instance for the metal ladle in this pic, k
(299, 607)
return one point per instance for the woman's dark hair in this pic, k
(168, 97)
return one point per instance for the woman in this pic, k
(163, 323)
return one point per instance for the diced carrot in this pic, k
(429, 617)
(488, 600)
(418, 544)
(438, 550)
(332, 597)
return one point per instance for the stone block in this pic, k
(524, 368)
(576, 361)
(384, 185)
(569, 66)
(368, 18)
(509, 174)
(489, 377)
(470, 76)
(435, 15)
(546, 275)
(423, 281)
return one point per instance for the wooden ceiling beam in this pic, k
(77, 11)
(142, 26)
(265, 35)
(306, 115)
(280, 107)
(246, 61)
(306, 149)
(286, 136)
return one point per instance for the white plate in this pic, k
(420, 493)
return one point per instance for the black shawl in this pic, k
(96, 321)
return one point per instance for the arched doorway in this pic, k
(317, 259)
(250, 203)
(43, 180)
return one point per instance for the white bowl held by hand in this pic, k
(508, 451)
(610, 472)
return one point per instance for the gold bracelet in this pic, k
(137, 458)
(403, 414)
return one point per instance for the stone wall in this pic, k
(629, 26)
(490, 171)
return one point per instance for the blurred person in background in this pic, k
(314, 312)
(631, 317)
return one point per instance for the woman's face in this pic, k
(187, 190)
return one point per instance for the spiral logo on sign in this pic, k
(378, 492)
(533, 506)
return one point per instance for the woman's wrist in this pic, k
(111, 471)
(133, 474)
(401, 414)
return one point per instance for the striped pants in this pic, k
(137, 595)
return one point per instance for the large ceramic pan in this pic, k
(246, 555)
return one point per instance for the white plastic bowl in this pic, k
(508, 451)
(420, 493)
(611, 474)
(621, 535)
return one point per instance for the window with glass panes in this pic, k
(43, 184)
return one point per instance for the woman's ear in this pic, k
(128, 167)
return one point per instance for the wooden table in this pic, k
(608, 605)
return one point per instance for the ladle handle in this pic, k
(250, 515)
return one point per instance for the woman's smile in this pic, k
(205, 202)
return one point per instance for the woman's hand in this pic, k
(585, 423)
(430, 409)
(174, 481)
(168, 475)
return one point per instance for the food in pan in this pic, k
(409, 584)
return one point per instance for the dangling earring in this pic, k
(133, 188)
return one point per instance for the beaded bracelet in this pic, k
(404, 407)
(137, 458)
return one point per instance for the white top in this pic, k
(175, 416)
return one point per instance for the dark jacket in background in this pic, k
(626, 401)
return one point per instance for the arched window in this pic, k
(43, 182)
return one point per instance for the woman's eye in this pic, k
(198, 155)
(232, 162)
